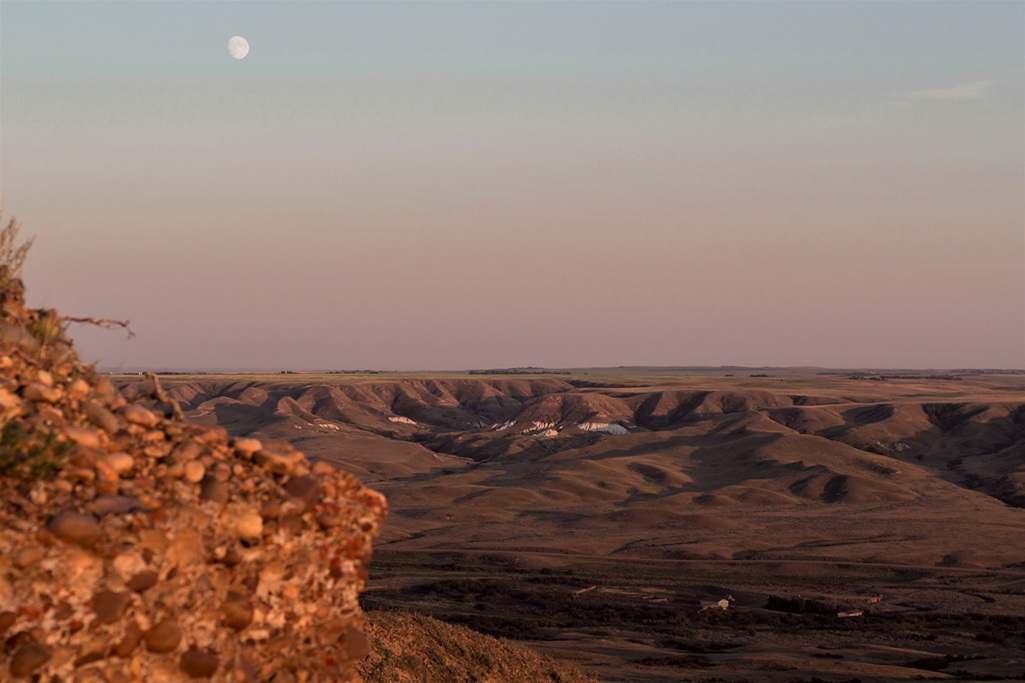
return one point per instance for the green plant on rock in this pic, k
(30, 456)
(46, 328)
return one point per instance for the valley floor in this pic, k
(630, 620)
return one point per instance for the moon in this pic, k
(238, 47)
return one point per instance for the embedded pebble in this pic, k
(198, 664)
(163, 637)
(128, 643)
(110, 606)
(29, 657)
(142, 581)
(247, 446)
(121, 463)
(78, 389)
(194, 472)
(306, 489)
(249, 526)
(138, 415)
(41, 393)
(80, 529)
(101, 417)
(114, 505)
(26, 557)
(83, 437)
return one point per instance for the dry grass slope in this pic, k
(410, 648)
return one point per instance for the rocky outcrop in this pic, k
(137, 547)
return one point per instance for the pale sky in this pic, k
(428, 185)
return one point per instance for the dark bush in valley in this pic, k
(940, 663)
(800, 605)
(929, 663)
(560, 580)
(990, 637)
(747, 620)
(678, 662)
(499, 627)
(530, 604)
(694, 646)
(528, 608)
(972, 676)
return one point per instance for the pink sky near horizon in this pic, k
(660, 206)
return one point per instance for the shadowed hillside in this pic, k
(867, 467)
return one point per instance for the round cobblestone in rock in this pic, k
(138, 415)
(119, 462)
(163, 637)
(198, 664)
(26, 557)
(129, 642)
(194, 471)
(80, 529)
(101, 417)
(29, 657)
(142, 581)
(110, 606)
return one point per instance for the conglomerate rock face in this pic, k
(134, 547)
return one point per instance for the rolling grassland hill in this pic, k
(913, 471)
(587, 516)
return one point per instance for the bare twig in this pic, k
(105, 323)
(164, 397)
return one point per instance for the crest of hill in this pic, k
(575, 409)
(436, 423)
(138, 547)
(441, 403)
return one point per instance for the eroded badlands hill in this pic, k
(918, 471)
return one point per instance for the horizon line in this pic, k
(537, 369)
